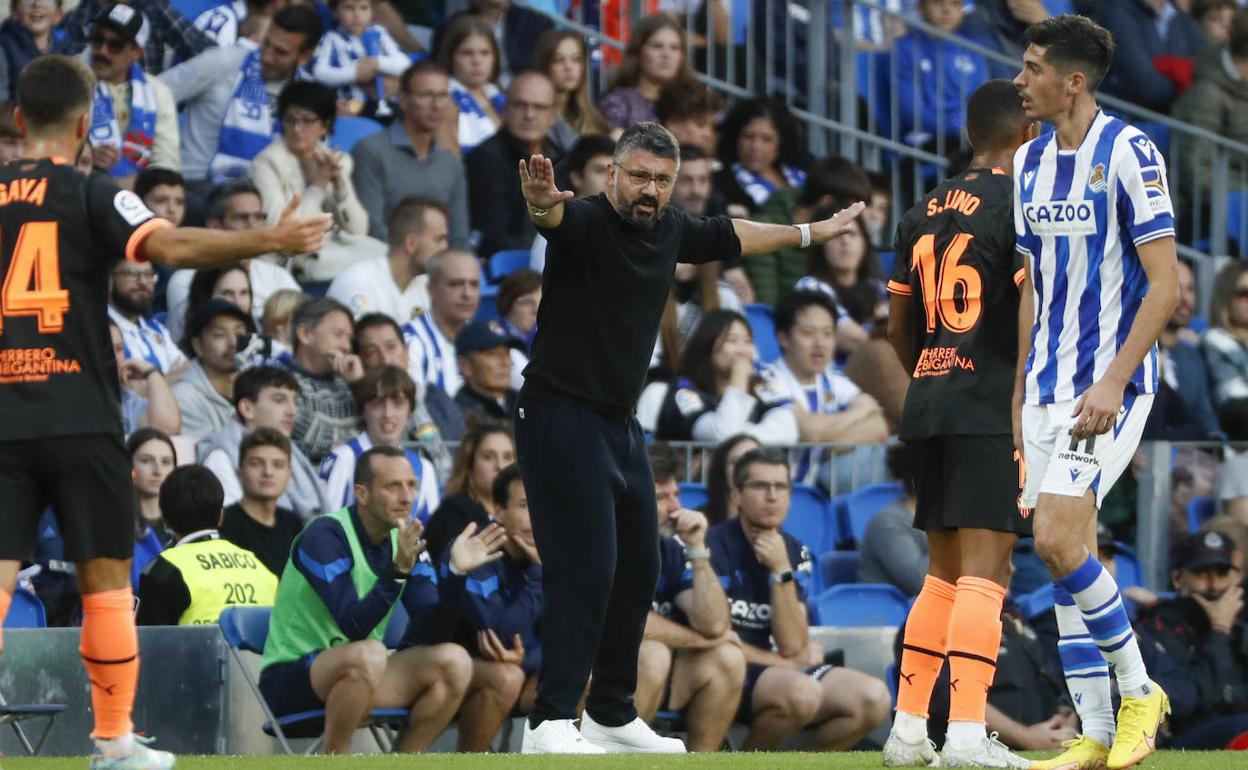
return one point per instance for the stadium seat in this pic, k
(25, 610)
(763, 327)
(861, 604)
(1129, 570)
(838, 567)
(349, 130)
(810, 518)
(245, 629)
(1036, 602)
(507, 262)
(487, 310)
(692, 495)
(1199, 510)
(859, 506)
(1236, 219)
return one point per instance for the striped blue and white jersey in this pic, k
(1080, 216)
(431, 356)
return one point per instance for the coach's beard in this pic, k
(640, 216)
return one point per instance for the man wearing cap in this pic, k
(134, 120)
(484, 353)
(1200, 630)
(205, 392)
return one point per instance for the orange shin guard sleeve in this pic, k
(974, 639)
(110, 652)
(923, 647)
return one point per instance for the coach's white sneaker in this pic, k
(899, 753)
(636, 737)
(989, 752)
(556, 736)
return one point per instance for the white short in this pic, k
(1057, 464)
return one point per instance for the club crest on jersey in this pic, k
(1060, 217)
(1096, 179)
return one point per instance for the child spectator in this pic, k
(351, 57)
(30, 31)
(278, 310)
(469, 53)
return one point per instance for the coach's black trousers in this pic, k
(591, 500)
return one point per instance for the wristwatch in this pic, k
(693, 554)
(780, 578)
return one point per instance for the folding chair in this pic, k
(26, 611)
(245, 630)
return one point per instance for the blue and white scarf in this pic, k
(136, 144)
(759, 188)
(474, 125)
(249, 125)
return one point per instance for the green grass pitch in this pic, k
(1164, 760)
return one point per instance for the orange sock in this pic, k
(110, 651)
(923, 648)
(5, 599)
(974, 639)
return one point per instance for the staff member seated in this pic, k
(192, 582)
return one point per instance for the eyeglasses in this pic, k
(136, 274)
(779, 487)
(429, 96)
(115, 45)
(246, 217)
(301, 121)
(520, 106)
(642, 179)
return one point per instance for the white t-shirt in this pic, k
(265, 277)
(148, 340)
(369, 287)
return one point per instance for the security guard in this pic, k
(192, 582)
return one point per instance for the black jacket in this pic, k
(496, 205)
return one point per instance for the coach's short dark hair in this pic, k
(1074, 44)
(364, 465)
(665, 462)
(648, 136)
(191, 499)
(53, 90)
(302, 20)
(263, 436)
(500, 490)
(760, 456)
(249, 382)
(311, 313)
(214, 204)
(152, 177)
(994, 115)
(797, 301)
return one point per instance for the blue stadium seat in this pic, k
(507, 262)
(1236, 221)
(859, 506)
(861, 604)
(763, 327)
(245, 629)
(397, 627)
(349, 130)
(810, 518)
(692, 495)
(839, 567)
(25, 610)
(487, 310)
(888, 260)
(1129, 571)
(1035, 603)
(1200, 510)
(1199, 324)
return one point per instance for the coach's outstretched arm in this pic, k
(200, 247)
(543, 196)
(759, 238)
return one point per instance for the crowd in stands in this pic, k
(279, 410)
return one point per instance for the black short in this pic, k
(745, 710)
(287, 687)
(86, 481)
(968, 482)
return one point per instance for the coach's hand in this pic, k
(838, 224)
(1097, 409)
(410, 545)
(470, 551)
(300, 235)
(537, 182)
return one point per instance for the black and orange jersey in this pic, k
(60, 234)
(956, 261)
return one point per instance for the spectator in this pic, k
(229, 22)
(892, 551)
(828, 180)
(134, 121)
(230, 283)
(696, 194)
(257, 522)
(131, 291)
(31, 30)
(1156, 41)
(385, 398)
(278, 310)
(227, 96)
(484, 352)
(768, 573)
(146, 398)
(173, 36)
(845, 269)
(335, 617)
(1233, 487)
(204, 392)
(689, 110)
(516, 30)
(483, 451)
(406, 159)
(719, 393)
(397, 284)
(560, 56)
(1201, 631)
(999, 26)
(325, 368)
(719, 503)
(469, 52)
(1215, 18)
(879, 210)
(1225, 345)
(152, 459)
(193, 581)
(688, 638)
(234, 205)
(519, 296)
(830, 409)
(586, 168)
(654, 60)
(164, 192)
(761, 152)
(1182, 367)
(12, 140)
(300, 163)
(495, 202)
(454, 295)
(264, 397)
(357, 55)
